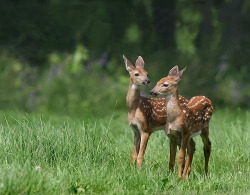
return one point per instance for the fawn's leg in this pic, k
(143, 145)
(136, 147)
(181, 155)
(207, 149)
(173, 147)
(190, 154)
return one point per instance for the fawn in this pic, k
(145, 115)
(184, 122)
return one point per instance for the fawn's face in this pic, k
(138, 75)
(165, 86)
(168, 85)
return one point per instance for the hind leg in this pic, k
(206, 148)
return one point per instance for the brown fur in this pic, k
(145, 115)
(184, 122)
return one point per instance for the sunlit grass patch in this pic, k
(62, 155)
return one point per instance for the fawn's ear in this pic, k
(139, 62)
(128, 64)
(174, 71)
(179, 74)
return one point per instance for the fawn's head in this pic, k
(168, 85)
(138, 75)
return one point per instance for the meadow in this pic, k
(51, 154)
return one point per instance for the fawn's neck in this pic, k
(133, 96)
(173, 106)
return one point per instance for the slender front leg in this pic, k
(190, 154)
(143, 145)
(136, 146)
(173, 147)
(133, 156)
(181, 155)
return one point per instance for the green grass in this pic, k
(61, 155)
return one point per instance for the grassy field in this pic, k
(61, 155)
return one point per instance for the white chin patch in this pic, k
(135, 86)
(139, 84)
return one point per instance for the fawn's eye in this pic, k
(165, 85)
(136, 74)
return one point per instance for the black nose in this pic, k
(151, 92)
(148, 81)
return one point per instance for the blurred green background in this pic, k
(65, 57)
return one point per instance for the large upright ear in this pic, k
(128, 64)
(173, 72)
(179, 75)
(139, 62)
